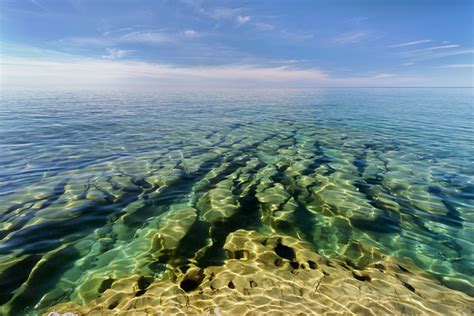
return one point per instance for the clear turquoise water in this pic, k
(87, 178)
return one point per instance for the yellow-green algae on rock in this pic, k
(276, 275)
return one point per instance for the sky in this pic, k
(264, 43)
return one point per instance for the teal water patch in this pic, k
(96, 187)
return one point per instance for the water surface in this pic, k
(88, 177)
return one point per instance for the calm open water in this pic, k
(87, 176)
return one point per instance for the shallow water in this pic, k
(91, 182)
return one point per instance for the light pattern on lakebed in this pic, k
(100, 187)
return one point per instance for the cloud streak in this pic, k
(455, 53)
(93, 73)
(242, 19)
(411, 43)
(191, 33)
(26, 72)
(36, 3)
(144, 37)
(458, 66)
(114, 53)
(428, 49)
(350, 38)
(113, 38)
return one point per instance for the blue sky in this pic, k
(299, 43)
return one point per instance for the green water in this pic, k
(98, 186)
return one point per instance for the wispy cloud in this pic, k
(84, 41)
(144, 37)
(458, 66)
(262, 26)
(296, 36)
(218, 13)
(38, 4)
(408, 64)
(350, 37)
(237, 16)
(383, 76)
(455, 53)
(433, 48)
(233, 15)
(411, 43)
(242, 19)
(114, 38)
(191, 33)
(114, 53)
(124, 29)
(429, 54)
(285, 61)
(89, 72)
(222, 12)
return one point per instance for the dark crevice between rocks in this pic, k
(247, 217)
(285, 252)
(381, 267)
(140, 293)
(231, 168)
(14, 276)
(305, 220)
(312, 264)
(192, 282)
(140, 182)
(280, 174)
(361, 276)
(295, 265)
(42, 278)
(189, 285)
(109, 198)
(189, 245)
(360, 162)
(408, 286)
(453, 217)
(241, 254)
(144, 282)
(388, 223)
(403, 269)
(169, 195)
(321, 159)
(114, 304)
(105, 285)
(351, 264)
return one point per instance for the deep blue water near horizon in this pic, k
(85, 174)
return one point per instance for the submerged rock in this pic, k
(279, 274)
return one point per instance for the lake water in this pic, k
(87, 177)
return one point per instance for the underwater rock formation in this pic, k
(279, 275)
